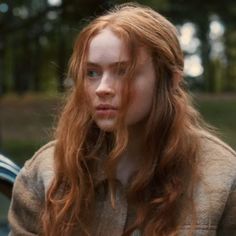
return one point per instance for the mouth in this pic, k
(106, 110)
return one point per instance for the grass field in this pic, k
(26, 124)
(220, 111)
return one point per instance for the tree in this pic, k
(34, 28)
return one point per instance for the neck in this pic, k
(130, 159)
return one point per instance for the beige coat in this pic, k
(215, 195)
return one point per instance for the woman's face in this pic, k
(107, 61)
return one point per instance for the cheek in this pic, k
(88, 94)
(141, 101)
(143, 93)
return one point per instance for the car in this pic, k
(8, 172)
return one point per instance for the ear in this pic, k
(177, 78)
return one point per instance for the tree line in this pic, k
(36, 39)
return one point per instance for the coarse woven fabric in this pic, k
(215, 196)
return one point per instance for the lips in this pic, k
(106, 110)
(105, 107)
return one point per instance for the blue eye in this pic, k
(93, 74)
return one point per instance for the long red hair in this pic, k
(169, 171)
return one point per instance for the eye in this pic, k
(93, 74)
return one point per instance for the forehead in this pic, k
(107, 48)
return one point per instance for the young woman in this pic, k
(131, 156)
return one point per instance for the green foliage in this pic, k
(36, 39)
(230, 51)
(220, 112)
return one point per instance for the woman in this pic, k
(131, 156)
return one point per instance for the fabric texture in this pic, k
(215, 196)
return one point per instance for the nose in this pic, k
(106, 87)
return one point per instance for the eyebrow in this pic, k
(114, 64)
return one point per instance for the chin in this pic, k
(106, 126)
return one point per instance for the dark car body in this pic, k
(8, 173)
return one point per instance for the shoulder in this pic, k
(29, 192)
(38, 172)
(43, 158)
(213, 148)
(217, 161)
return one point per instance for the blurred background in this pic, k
(36, 39)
